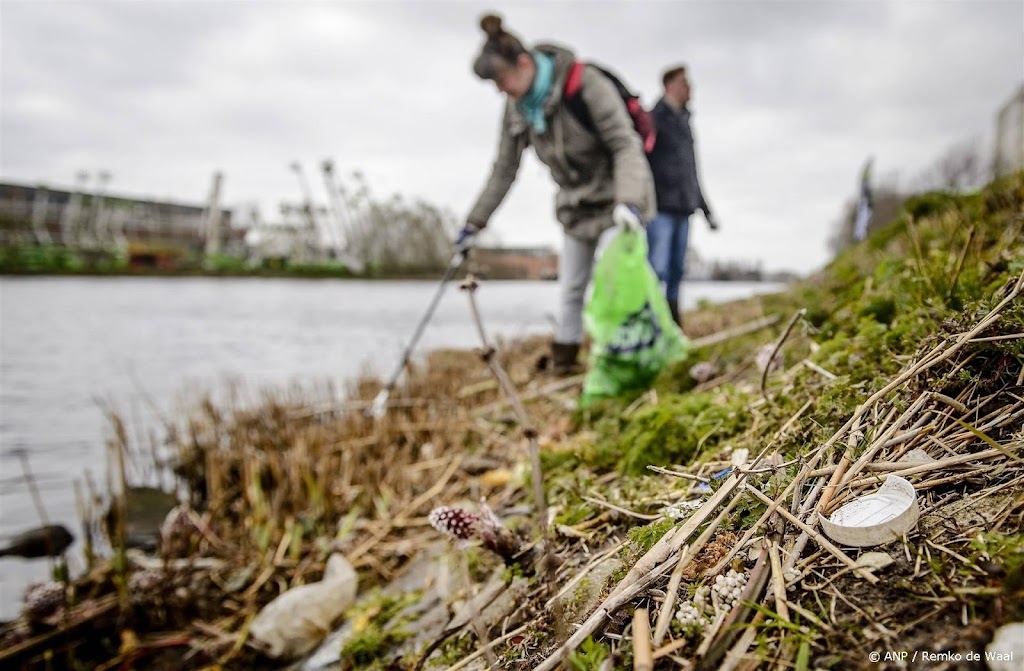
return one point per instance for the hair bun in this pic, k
(491, 24)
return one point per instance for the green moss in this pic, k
(384, 628)
(929, 204)
(588, 656)
(371, 644)
(673, 432)
(1006, 553)
(644, 538)
(881, 308)
(452, 651)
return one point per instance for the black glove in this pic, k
(712, 222)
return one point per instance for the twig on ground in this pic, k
(778, 344)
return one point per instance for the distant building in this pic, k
(152, 233)
(515, 263)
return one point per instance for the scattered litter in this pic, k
(295, 622)
(723, 595)
(701, 488)
(1007, 648)
(875, 519)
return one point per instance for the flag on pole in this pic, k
(865, 205)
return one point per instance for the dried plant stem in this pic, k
(734, 657)
(490, 646)
(778, 344)
(819, 370)
(677, 474)
(550, 564)
(689, 552)
(620, 509)
(671, 593)
(778, 581)
(625, 591)
(37, 500)
(933, 466)
(844, 463)
(586, 569)
(643, 655)
(734, 332)
(818, 538)
(478, 627)
(30, 482)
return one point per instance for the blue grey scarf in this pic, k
(532, 104)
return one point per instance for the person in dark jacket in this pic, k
(604, 181)
(674, 166)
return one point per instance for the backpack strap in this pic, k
(572, 98)
(574, 81)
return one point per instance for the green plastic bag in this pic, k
(632, 331)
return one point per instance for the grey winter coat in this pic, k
(594, 172)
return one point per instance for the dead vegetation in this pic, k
(910, 344)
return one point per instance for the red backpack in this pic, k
(642, 121)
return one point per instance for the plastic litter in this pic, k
(1006, 650)
(295, 622)
(875, 519)
(628, 319)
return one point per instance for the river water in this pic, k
(71, 347)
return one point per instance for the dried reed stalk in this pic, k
(686, 556)
(550, 564)
(623, 594)
(643, 656)
(778, 581)
(818, 538)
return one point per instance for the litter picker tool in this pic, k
(380, 402)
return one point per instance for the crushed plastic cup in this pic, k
(875, 519)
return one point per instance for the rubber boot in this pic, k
(564, 359)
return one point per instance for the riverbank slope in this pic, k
(910, 343)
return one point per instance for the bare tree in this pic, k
(394, 235)
(960, 168)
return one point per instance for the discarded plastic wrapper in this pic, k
(875, 519)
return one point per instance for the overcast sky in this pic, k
(789, 99)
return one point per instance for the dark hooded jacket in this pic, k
(593, 171)
(674, 163)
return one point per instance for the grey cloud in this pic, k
(790, 97)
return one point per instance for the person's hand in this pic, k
(466, 237)
(628, 216)
(712, 221)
